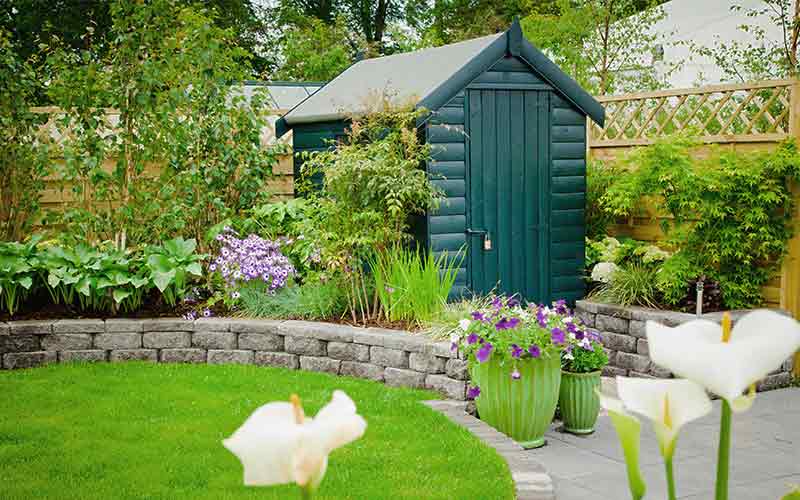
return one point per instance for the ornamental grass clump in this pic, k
(241, 261)
(512, 333)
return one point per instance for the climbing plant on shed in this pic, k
(730, 211)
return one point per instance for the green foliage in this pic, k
(372, 186)
(413, 286)
(315, 299)
(599, 176)
(97, 278)
(585, 360)
(171, 266)
(632, 285)
(17, 272)
(167, 69)
(316, 51)
(605, 45)
(24, 154)
(672, 280)
(730, 212)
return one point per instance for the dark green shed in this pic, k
(508, 133)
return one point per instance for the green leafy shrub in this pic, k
(599, 177)
(630, 285)
(730, 212)
(413, 286)
(371, 188)
(24, 152)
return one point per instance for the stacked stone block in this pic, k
(394, 357)
(625, 339)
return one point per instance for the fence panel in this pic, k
(741, 117)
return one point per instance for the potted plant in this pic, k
(514, 356)
(581, 364)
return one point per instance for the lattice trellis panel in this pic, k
(757, 109)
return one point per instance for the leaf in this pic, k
(84, 287)
(162, 280)
(160, 263)
(53, 280)
(120, 294)
(629, 431)
(195, 268)
(26, 282)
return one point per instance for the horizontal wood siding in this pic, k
(567, 199)
(446, 227)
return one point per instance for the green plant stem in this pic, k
(670, 478)
(724, 452)
(305, 493)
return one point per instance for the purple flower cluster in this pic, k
(251, 258)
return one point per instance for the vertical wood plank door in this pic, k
(508, 192)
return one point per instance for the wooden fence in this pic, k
(59, 194)
(740, 117)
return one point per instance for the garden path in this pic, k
(765, 458)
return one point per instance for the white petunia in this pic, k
(277, 444)
(464, 324)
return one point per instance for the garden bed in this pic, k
(394, 357)
(624, 337)
(103, 431)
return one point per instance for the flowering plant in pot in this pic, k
(514, 356)
(581, 365)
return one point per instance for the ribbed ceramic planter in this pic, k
(521, 409)
(579, 402)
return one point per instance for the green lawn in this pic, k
(153, 431)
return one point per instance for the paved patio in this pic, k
(765, 456)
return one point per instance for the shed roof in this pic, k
(430, 78)
(281, 95)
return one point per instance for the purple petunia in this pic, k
(473, 392)
(516, 351)
(506, 324)
(561, 307)
(472, 338)
(557, 335)
(497, 303)
(580, 335)
(512, 302)
(572, 327)
(534, 351)
(515, 374)
(541, 317)
(482, 355)
(207, 313)
(478, 316)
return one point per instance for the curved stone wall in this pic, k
(391, 356)
(625, 340)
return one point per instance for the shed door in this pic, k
(508, 186)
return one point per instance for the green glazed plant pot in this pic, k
(521, 409)
(579, 402)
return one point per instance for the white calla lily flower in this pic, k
(278, 444)
(669, 404)
(725, 364)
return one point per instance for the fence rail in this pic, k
(754, 112)
(747, 116)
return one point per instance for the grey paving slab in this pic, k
(765, 459)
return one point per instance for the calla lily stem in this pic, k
(305, 493)
(670, 478)
(723, 457)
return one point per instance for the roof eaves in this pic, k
(562, 82)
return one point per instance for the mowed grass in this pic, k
(137, 430)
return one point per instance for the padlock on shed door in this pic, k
(487, 241)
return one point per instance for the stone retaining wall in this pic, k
(623, 331)
(391, 356)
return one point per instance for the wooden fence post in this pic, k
(790, 275)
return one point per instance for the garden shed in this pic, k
(508, 134)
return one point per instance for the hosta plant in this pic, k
(17, 272)
(171, 266)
